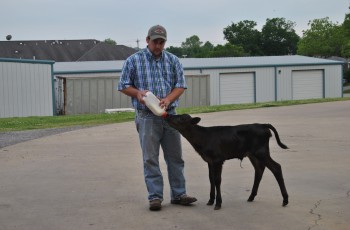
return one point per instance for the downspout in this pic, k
(276, 83)
(53, 92)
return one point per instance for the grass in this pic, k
(29, 123)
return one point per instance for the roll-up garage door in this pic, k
(236, 88)
(307, 84)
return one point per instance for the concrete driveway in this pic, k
(92, 178)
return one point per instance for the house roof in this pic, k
(64, 50)
(197, 63)
(105, 52)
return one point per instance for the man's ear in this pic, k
(195, 120)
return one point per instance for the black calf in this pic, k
(219, 143)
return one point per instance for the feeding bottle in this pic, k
(152, 102)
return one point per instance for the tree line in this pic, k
(323, 38)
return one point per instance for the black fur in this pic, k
(219, 143)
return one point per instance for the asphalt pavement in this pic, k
(93, 178)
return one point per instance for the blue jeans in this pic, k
(154, 132)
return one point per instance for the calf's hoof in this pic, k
(250, 199)
(217, 207)
(285, 202)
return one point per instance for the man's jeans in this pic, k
(154, 132)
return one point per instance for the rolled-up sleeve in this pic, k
(180, 81)
(126, 77)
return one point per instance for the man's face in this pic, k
(156, 46)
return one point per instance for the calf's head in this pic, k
(181, 122)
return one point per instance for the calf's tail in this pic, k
(283, 146)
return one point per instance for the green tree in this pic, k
(205, 50)
(245, 35)
(279, 37)
(207, 47)
(227, 50)
(346, 25)
(191, 46)
(110, 41)
(178, 51)
(324, 38)
(345, 52)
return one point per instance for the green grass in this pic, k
(28, 123)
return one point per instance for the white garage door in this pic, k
(236, 88)
(307, 84)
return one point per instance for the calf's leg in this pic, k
(215, 171)
(212, 185)
(259, 167)
(217, 168)
(276, 169)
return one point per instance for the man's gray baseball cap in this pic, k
(157, 31)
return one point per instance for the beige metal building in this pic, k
(26, 88)
(91, 87)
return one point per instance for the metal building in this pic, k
(26, 88)
(90, 87)
(269, 78)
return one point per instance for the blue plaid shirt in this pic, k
(142, 71)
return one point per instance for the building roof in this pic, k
(198, 63)
(261, 61)
(87, 67)
(105, 52)
(64, 50)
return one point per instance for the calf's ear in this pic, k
(195, 120)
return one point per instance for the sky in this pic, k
(127, 21)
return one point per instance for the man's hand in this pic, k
(164, 103)
(140, 95)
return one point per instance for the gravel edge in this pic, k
(12, 138)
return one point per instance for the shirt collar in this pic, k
(151, 56)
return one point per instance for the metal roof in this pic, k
(87, 67)
(261, 61)
(27, 61)
(198, 63)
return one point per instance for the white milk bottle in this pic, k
(152, 102)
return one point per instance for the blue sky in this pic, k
(126, 21)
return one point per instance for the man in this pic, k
(156, 70)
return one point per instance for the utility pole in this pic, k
(137, 41)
